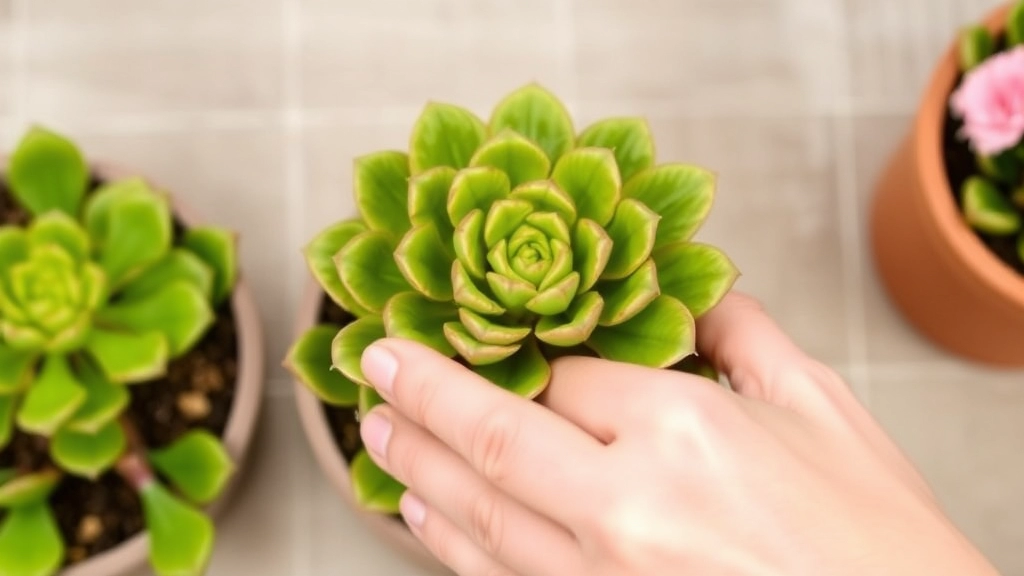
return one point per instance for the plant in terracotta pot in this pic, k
(505, 244)
(948, 217)
(118, 361)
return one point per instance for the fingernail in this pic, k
(380, 366)
(413, 509)
(376, 431)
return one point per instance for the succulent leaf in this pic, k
(30, 542)
(547, 197)
(624, 299)
(476, 189)
(126, 357)
(682, 195)
(52, 399)
(47, 172)
(104, 400)
(178, 265)
(60, 229)
(369, 272)
(413, 316)
(138, 235)
(538, 115)
(179, 311)
(444, 135)
(591, 178)
(382, 191)
(511, 293)
(698, 275)
(28, 489)
(526, 373)
(520, 159)
(320, 253)
(474, 351)
(490, 332)
(504, 218)
(633, 232)
(180, 537)
(374, 489)
(196, 464)
(8, 406)
(428, 198)
(368, 398)
(16, 369)
(987, 210)
(350, 342)
(217, 247)
(6, 475)
(629, 138)
(424, 261)
(1015, 25)
(309, 359)
(88, 454)
(469, 237)
(659, 336)
(557, 298)
(469, 295)
(14, 246)
(574, 326)
(591, 247)
(976, 45)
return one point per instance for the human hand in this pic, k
(623, 470)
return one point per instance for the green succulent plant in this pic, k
(992, 200)
(508, 243)
(95, 296)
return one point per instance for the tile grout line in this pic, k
(291, 117)
(848, 204)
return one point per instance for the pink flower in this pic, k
(991, 102)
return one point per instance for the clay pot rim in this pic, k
(961, 242)
(329, 457)
(241, 423)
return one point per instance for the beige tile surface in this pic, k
(961, 428)
(252, 111)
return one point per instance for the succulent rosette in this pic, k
(95, 295)
(508, 243)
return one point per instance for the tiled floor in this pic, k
(252, 110)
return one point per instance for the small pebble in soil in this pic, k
(193, 405)
(89, 529)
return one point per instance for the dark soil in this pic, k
(961, 164)
(197, 392)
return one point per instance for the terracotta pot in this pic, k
(947, 283)
(332, 462)
(241, 424)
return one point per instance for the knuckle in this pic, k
(492, 444)
(487, 523)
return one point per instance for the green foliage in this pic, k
(992, 200)
(502, 244)
(97, 293)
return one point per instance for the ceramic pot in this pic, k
(241, 423)
(333, 463)
(937, 271)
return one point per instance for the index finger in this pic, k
(519, 446)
